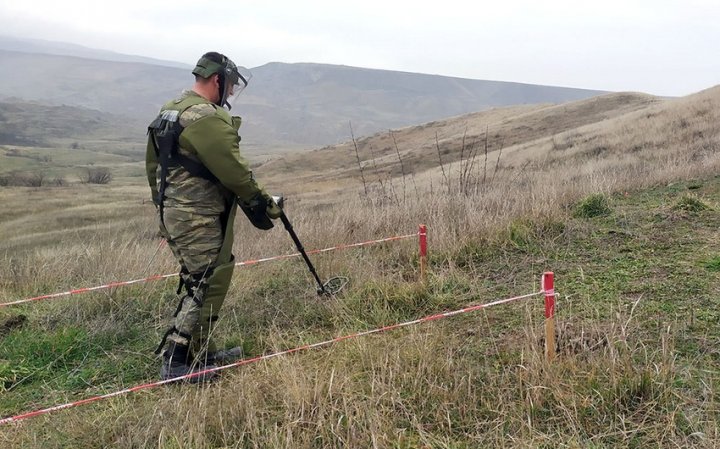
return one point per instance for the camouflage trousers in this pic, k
(202, 245)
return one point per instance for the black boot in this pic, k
(177, 362)
(225, 356)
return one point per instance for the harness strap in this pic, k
(172, 330)
(165, 131)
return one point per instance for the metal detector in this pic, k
(334, 284)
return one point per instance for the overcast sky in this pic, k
(656, 46)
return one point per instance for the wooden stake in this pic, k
(548, 286)
(423, 252)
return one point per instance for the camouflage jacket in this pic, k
(210, 136)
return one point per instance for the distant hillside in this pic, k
(515, 131)
(40, 125)
(130, 89)
(285, 106)
(66, 49)
(314, 103)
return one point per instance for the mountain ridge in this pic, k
(286, 106)
(42, 46)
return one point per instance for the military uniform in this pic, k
(197, 211)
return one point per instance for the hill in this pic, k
(133, 90)
(318, 102)
(40, 46)
(286, 106)
(37, 124)
(509, 133)
(621, 206)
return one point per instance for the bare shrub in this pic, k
(96, 175)
(57, 181)
(19, 179)
(35, 179)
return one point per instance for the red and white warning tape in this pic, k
(263, 357)
(165, 276)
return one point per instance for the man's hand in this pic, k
(262, 209)
(274, 207)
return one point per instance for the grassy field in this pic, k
(65, 163)
(631, 231)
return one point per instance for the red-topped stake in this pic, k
(422, 233)
(548, 287)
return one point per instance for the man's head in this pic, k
(218, 79)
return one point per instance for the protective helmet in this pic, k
(232, 78)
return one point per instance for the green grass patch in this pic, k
(713, 264)
(694, 185)
(35, 364)
(689, 203)
(595, 205)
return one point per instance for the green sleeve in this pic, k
(151, 164)
(216, 144)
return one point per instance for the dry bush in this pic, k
(96, 175)
(58, 181)
(24, 179)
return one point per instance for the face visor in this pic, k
(236, 80)
(232, 79)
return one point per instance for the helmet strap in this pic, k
(222, 89)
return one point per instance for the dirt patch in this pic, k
(11, 323)
(569, 340)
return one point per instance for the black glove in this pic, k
(256, 211)
(262, 209)
(274, 207)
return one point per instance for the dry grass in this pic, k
(513, 128)
(475, 381)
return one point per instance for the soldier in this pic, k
(197, 175)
